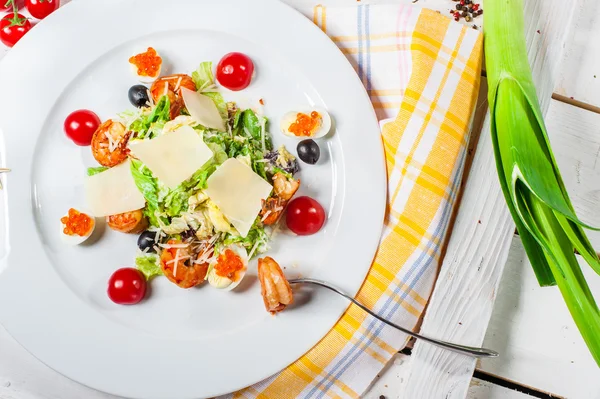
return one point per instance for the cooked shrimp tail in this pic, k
(284, 189)
(275, 289)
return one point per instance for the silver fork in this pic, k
(462, 349)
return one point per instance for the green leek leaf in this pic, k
(528, 172)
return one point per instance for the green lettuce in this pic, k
(95, 171)
(148, 265)
(161, 114)
(256, 239)
(203, 77)
(148, 186)
(163, 201)
(219, 154)
(205, 83)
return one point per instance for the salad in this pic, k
(197, 178)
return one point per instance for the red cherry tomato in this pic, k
(305, 216)
(127, 286)
(13, 29)
(235, 71)
(80, 126)
(40, 9)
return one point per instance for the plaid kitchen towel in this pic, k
(423, 70)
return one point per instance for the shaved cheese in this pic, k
(203, 110)
(178, 84)
(238, 192)
(174, 157)
(113, 192)
(176, 260)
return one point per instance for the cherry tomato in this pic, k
(235, 71)
(13, 29)
(305, 216)
(80, 126)
(40, 9)
(127, 286)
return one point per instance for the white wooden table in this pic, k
(542, 351)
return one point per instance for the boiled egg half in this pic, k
(146, 66)
(311, 123)
(229, 268)
(76, 227)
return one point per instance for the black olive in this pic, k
(138, 96)
(309, 151)
(147, 240)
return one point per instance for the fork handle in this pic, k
(462, 349)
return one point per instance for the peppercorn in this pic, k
(468, 1)
(470, 9)
(456, 18)
(475, 7)
(464, 14)
(479, 12)
(458, 7)
(468, 18)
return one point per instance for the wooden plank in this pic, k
(391, 384)
(580, 75)
(531, 326)
(462, 303)
(480, 389)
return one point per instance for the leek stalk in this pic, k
(528, 173)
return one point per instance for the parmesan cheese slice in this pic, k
(203, 110)
(174, 157)
(238, 192)
(113, 192)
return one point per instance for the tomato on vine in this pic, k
(13, 26)
(40, 9)
(5, 6)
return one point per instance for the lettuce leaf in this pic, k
(148, 186)
(219, 154)
(256, 239)
(95, 171)
(148, 265)
(205, 83)
(203, 77)
(159, 115)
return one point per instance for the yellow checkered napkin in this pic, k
(422, 70)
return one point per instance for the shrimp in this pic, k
(274, 206)
(171, 87)
(109, 143)
(179, 267)
(275, 289)
(130, 222)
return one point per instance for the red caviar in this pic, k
(306, 125)
(228, 265)
(77, 223)
(148, 63)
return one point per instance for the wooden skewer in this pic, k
(4, 170)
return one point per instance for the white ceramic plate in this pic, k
(184, 344)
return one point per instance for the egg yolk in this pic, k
(306, 125)
(228, 265)
(76, 223)
(148, 63)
